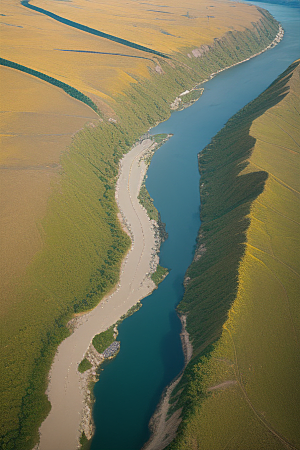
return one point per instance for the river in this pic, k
(151, 356)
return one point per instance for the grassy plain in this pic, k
(64, 241)
(166, 28)
(37, 123)
(243, 391)
(101, 76)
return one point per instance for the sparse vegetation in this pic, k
(129, 313)
(85, 443)
(192, 96)
(160, 138)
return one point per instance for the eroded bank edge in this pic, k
(167, 417)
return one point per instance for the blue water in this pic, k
(130, 386)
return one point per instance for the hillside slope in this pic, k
(241, 389)
(79, 239)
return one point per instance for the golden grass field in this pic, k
(251, 381)
(148, 23)
(37, 124)
(61, 240)
(34, 40)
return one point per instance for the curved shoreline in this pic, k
(60, 430)
(275, 41)
(164, 428)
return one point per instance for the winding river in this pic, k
(151, 356)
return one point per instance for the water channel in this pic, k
(130, 386)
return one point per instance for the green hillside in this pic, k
(241, 389)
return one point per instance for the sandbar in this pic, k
(60, 430)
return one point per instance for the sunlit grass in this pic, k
(81, 242)
(257, 354)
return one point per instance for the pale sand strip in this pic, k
(60, 429)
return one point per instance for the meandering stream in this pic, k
(151, 356)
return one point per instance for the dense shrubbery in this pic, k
(103, 340)
(84, 365)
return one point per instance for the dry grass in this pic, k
(148, 23)
(75, 227)
(34, 40)
(37, 124)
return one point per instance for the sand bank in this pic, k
(60, 430)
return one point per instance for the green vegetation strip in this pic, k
(65, 87)
(85, 443)
(84, 365)
(147, 202)
(89, 30)
(159, 275)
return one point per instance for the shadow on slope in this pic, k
(226, 198)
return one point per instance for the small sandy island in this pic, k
(60, 430)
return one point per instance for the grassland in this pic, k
(42, 120)
(100, 76)
(168, 28)
(60, 221)
(241, 389)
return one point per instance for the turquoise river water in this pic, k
(130, 386)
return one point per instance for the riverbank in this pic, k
(275, 41)
(164, 428)
(65, 391)
(244, 285)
